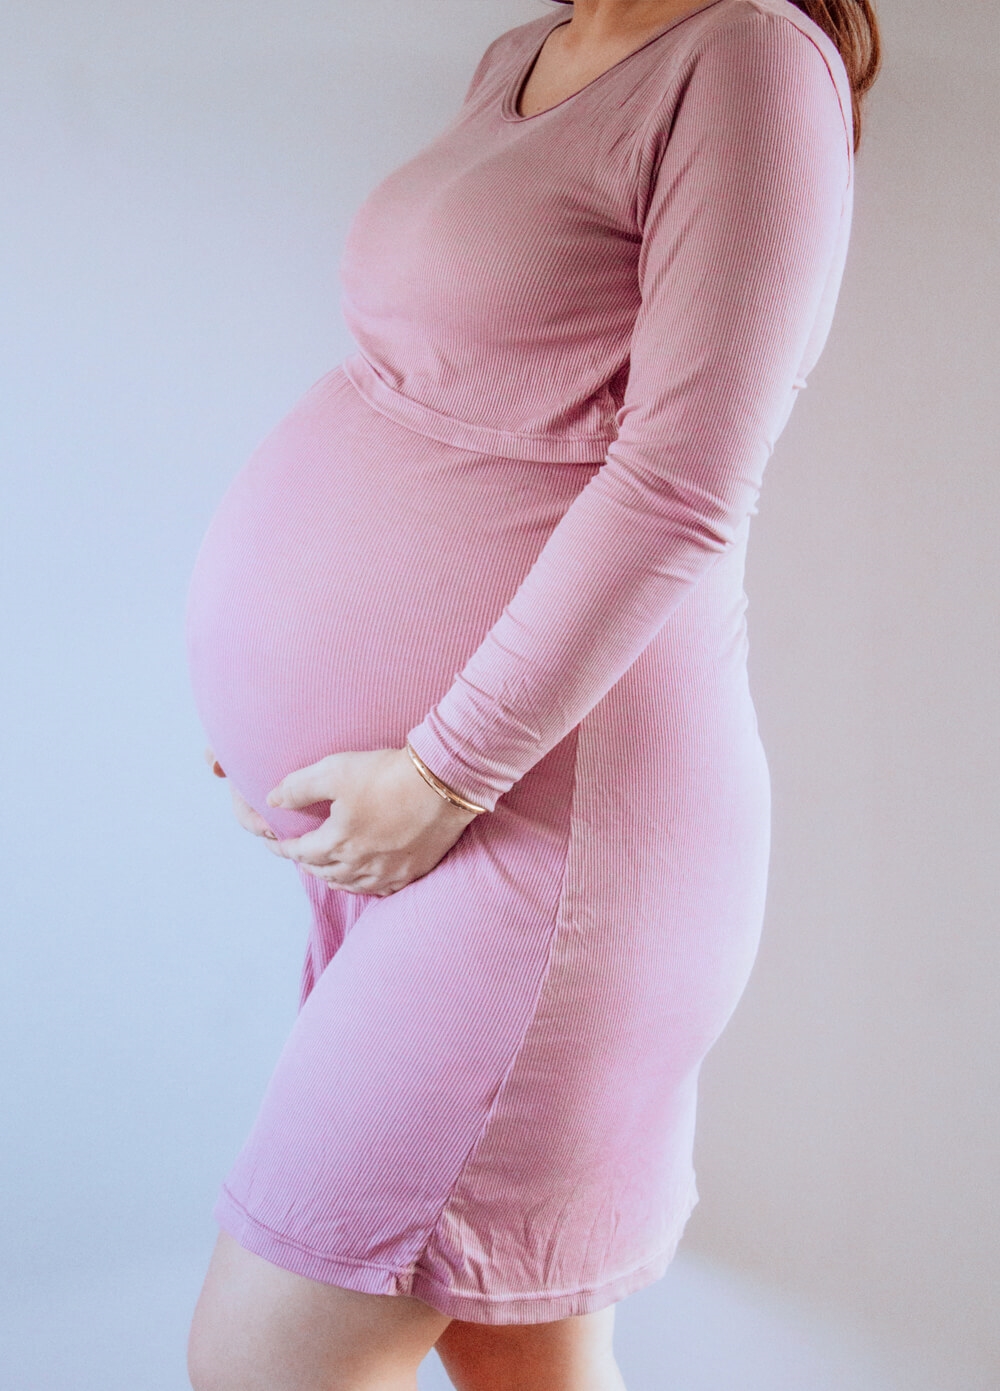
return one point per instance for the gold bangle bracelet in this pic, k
(441, 788)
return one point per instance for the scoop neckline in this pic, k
(508, 105)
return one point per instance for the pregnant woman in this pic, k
(467, 637)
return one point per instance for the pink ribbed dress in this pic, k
(512, 528)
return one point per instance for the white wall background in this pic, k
(175, 184)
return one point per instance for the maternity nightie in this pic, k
(512, 528)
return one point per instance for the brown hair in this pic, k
(852, 26)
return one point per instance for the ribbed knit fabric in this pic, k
(512, 528)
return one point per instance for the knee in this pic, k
(257, 1327)
(203, 1373)
(571, 1354)
(225, 1360)
(225, 1355)
(215, 1366)
(210, 1365)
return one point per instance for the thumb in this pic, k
(305, 786)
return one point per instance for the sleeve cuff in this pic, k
(452, 770)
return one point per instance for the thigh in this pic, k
(570, 1354)
(258, 1327)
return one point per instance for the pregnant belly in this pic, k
(350, 570)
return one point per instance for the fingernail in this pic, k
(273, 799)
(270, 835)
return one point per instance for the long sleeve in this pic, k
(742, 245)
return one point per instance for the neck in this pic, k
(605, 21)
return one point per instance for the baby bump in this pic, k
(349, 571)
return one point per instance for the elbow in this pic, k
(700, 499)
(707, 509)
(714, 534)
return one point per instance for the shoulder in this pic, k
(776, 42)
(756, 89)
(751, 60)
(509, 47)
(520, 37)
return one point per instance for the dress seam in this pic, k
(482, 433)
(640, 146)
(501, 1089)
(301, 1246)
(413, 1275)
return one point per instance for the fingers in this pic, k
(213, 763)
(304, 786)
(254, 823)
(250, 819)
(364, 884)
(326, 872)
(314, 848)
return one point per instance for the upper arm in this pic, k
(741, 223)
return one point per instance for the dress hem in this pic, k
(368, 1277)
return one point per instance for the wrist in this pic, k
(453, 803)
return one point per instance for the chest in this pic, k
(558, 73)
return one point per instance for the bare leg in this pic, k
(257, 1327)
(573, 1354)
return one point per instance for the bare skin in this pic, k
(600, 34)
(256, 1326)
(574, 1354)
(386, 825)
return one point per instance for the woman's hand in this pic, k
(386, 826)
(249, 819)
